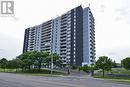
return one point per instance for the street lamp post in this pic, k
(51, 58)
(51, 53)
(51, 63)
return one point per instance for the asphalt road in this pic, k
(16, 80)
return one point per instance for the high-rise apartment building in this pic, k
(71, 35)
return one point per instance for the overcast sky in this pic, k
(112, 24)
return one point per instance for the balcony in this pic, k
(63, 42)
(46, 34)
(63, 39)
(63, 33)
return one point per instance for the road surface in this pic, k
(17, 80)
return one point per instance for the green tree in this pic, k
(36, 59)
(114, 64)
(40, 58)
(104, 63)
(74, 67)
(27, 59)
(3, 63)
(85, 68)
(126, 63)
(13, 64)
(47, 61)
(56, 60)
(22, 62)
(93, 67)
(9, 64)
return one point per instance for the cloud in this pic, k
(15, 19)
(117, 53)
(118, 18)
(102, 8)
(124, 11)
(9, 46)
(1, 50)
(112, 53)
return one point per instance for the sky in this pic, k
(112, 24)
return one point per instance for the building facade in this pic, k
(71, 35)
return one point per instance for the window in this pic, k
(74, 34)
(74, 27)
(68, 53)
(68, 32)
(68, 45)
(69, 22)
(74, 37)
(74, 16)
(68, 39)
(74, 20)
(74, 46)
(74, 30)
(74, 41)
(68, 49)
(68, 35)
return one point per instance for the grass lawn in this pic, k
(123, 80)
(35, 72)
(114, 71)
(109, 77)
(120, 71)
(116, 80)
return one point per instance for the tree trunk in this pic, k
(16, 69)
(92, 72)
(4, 69)
(39, 68)
(103, 72)
(68, 71)
(22, 69)
(29, 68)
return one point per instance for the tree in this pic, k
(114, 64)
(92, 68)
(27, 59)
(32, 59)
(9, 64)
(85, 68)
(104, 63)
(126, 63)
(13, 64)
(23, 64)
(40, 58)
(3, 63)
(74, 67)
(56, 60)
